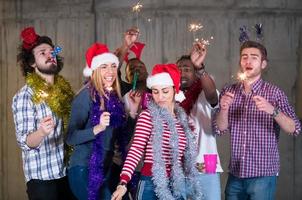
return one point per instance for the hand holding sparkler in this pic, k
(263, 105)
(198, 54)
(46, 126)
(226, 101)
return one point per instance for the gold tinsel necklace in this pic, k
(57, 96)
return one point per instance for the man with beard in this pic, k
(41, 110)
(253, 111)
(201, 97)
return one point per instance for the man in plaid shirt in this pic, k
(39, 130)
(253, 111)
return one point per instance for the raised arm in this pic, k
(198, 54)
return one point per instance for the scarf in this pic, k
(57, 96)
(191, 96)
(183, 179)
(115, 107)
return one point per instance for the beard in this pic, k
(53, 69)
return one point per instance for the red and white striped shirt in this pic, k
(142, 146)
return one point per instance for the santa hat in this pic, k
(135, 51)
(167, 75)
(97, 55)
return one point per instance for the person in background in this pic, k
(201, 99)
(135, 75)
(41, 110)
(253, 111)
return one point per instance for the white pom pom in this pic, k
(87, 71)
(180, 96)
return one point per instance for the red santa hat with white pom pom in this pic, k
(96, 55)
(167, 75)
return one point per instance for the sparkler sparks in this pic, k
(43, 94)
(241, 76)
(137, 7)
(195, 27)
(204, 41)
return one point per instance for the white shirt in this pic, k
(201, 117)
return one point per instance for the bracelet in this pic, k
(202, 73)
(122, 184)
(275, 112)
(134, 114)
(203, 66)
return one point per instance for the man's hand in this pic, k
(226, 101)
(263, 105)
(201, 167)
(198, 54)
(46, 126)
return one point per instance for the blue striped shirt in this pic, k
(44, 162)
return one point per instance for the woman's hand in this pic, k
(119, 192)
(135, 98)
(103, 123)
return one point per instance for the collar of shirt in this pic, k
(256, 86)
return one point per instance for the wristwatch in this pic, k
(275, 112)
(201, 71)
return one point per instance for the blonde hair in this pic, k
(97, 83)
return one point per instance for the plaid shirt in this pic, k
(44, 162)
(254, 133)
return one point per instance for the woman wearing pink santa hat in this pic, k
(163, 136)
(98, 122)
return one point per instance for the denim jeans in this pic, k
(78, 180)
(258, 188)
(210, 186)
(146, 189)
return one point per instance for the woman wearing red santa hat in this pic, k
(97, 124)
(163, 136)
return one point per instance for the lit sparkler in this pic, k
(241, 76)
(195, 27)
(137, 8)
(43, 94)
